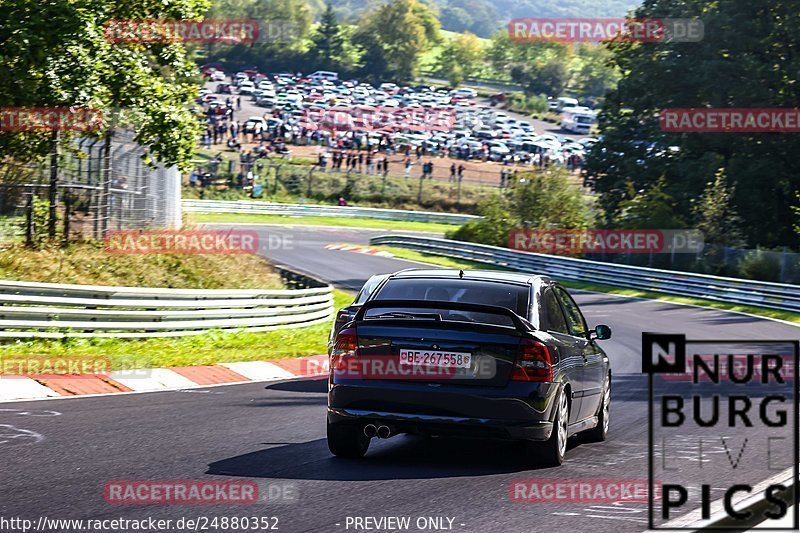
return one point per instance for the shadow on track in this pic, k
(401, 457)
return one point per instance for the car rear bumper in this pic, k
(445, 425)
(519, 411)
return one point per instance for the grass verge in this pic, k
(88, 263)
(243, 218)
(206, 349)
(413, 255)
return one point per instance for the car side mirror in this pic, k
(601, 332)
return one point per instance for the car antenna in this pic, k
(461, 274)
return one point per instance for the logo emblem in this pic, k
(663, 353)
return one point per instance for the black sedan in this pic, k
(466, 353)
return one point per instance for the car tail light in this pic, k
(345, 346)
(533, 362)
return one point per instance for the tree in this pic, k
(331, 47)
(651, 208)
(393, 37)
(59, 57)
(539, 200)
(285, 28)
(540, 67)
(593, 73)
(460, 58)
(327, 42)
(747, 59)
(547, 199)
(474, 16)
(716, 216)
(548, 77)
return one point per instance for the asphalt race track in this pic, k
(58, 454)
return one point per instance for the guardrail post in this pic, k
(29, 221)
(52, 221)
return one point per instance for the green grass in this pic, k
(88, 263)
(243, 218)
(413, 255)
(209, 348)
(395, 192)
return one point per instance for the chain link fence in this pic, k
(94, 185)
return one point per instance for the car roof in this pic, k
(480, 275)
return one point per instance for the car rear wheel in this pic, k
(552, 451)
(347, 440)
(600, 432)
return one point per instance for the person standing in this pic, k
(408, 165)
(360, 160)
(460, 172)
(452, 173)
(502, 178)
(238, 103)
(430, 169)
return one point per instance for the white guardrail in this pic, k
(731, 290)
(301, 210)
(48, 310)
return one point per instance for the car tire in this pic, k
(552, 451)
(347, 440)
(600, 432)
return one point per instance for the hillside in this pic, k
(484, 17)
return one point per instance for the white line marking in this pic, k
(126, 393)
(9, 432)
(258, 370)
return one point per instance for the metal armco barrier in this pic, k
(300, 210)
(730, 290)
(48, 310)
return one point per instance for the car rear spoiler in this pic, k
(520, 324)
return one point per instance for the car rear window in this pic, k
(508, 295)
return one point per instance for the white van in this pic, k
(324, 75)
(564, 102)
(578, 119)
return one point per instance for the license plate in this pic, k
(432, 358)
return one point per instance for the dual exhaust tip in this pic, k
(382, 432)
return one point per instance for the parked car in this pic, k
(246, 87)
(324, 75)
(250, 124)
(467, 353)
(464, 93)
